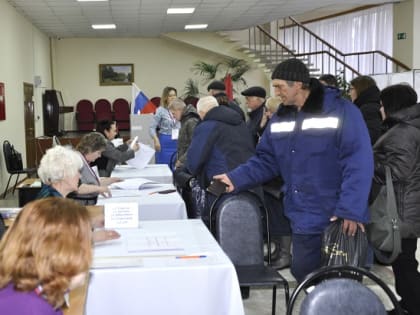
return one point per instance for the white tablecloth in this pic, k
(157, 172)
(152, 205)
(162, 284)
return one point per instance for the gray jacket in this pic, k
(189, 120)
(113, 156)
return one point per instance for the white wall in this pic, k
(158, 62)
(403, 23)
(24, 53)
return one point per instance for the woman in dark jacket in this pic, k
(365, 94)
(399, 148)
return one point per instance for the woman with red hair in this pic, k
(44, 254)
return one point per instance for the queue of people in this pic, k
(311, 155)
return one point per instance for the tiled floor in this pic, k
(259, 302)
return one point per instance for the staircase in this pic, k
(272, 43)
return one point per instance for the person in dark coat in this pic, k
(399, 148)
(364, 94)
(220, 142)
(273, 198)
(218, 90)
(255, 101)
(189, 118)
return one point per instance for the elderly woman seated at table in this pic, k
(90, 148)
(39, 262)
(59, 171)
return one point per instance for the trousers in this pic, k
(407, 278)
(306, 254)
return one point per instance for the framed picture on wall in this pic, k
(116, 74)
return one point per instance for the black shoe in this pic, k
(245, 293)
(282, 262)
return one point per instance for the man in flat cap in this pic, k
(319, 143)
(218, 90)
(279, 225)
(255, 101)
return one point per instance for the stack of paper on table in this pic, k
(133, 184)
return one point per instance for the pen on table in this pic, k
(191, 257)
(167, 191)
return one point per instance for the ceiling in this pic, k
(147, 18)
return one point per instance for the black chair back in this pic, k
(239, 229)
(8, 159)
(332, 297)
(239, 225)
(341, 297)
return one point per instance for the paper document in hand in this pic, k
(117, 142)
(133, 183)
(142, 157)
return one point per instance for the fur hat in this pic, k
(291, 70)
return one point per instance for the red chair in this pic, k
(85, 116)
(155, 100)
(121, 110)
(103, 110)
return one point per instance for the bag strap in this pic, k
(391, 208)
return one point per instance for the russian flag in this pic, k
(140, 102)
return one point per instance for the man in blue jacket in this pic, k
(319, 143)
(220, 143)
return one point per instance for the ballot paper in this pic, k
(142, 157)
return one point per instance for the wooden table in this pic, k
(77, 300)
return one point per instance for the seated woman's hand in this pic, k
(115, 180)
(98, 221)
(104, 191)
(105, 235)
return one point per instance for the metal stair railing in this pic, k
(321, 57)
(271, 52)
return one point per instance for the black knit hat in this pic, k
(216, 85)
(291, 70)
(254, 91)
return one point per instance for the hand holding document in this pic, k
(142, 156)
(134, 142)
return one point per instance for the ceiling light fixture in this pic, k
(180, 10)
(195, 26)
(103, 26)
(90, 0)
